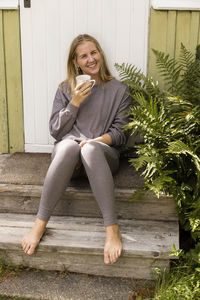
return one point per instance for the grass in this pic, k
(181, 282)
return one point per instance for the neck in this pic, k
(96, 78)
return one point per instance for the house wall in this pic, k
(167, 29)
(11, 108)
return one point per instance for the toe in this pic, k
(31, 250)
(106, 258)
(119, 252)
(114, 258)
(26, 248)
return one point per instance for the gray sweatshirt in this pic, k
(103, 111)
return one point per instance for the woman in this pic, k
(87, 124)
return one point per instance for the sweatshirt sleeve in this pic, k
(116, 131)
(63, 115)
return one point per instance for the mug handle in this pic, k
(94, 81)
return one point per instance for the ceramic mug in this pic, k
(84, 78)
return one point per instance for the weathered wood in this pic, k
(127, 267)
(3, 101)
(156, 239)
(80, 202)
(13, 80)
(76, 244)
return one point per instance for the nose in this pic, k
(90, 58)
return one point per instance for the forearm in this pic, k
(61, 122)
(106, 139)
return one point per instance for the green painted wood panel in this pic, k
(157, 39)
(167, 30)
(3, 100)
(13, 80)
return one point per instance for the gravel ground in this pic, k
(51, 285)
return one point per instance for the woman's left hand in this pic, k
(85, 142)
(106, 139)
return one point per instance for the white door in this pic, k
(47, 29)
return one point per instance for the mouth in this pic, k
(93, 65)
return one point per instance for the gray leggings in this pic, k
(99, 161)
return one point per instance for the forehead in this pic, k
(85, 47)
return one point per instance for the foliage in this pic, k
(169, 122)
(181, 283)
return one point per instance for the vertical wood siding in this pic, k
(3, 100)
(11, 108)
(47, 29)
(168, 29)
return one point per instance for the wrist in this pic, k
(75, 102)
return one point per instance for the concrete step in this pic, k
(76, 244)
(79, 201)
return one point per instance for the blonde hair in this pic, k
(73, 71)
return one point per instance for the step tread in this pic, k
(153, 239)
(35, 191)
(15, 198)
(31, 168)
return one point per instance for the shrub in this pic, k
(169, 122)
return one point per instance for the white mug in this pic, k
(84, 78)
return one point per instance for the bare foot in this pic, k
(113, 244)
(32, 238)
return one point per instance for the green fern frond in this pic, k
(160, 184)
(169, 69)
(137, 81)
(186, 58)
(129, 72)
(178, 147)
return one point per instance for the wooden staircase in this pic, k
(74, 239)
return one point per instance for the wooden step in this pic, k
(76, 244)
(79, 201)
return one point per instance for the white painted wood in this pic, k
(9, 4)
(47, 29)
(33, 148)
(176, 4)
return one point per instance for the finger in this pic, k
(83, 85)
(82, 143)
(79, 86)
(85, 89)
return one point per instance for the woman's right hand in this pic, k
(80, 93)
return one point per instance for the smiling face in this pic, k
(88, 58)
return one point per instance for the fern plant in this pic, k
(169, 122)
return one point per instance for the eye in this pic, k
(83, 56)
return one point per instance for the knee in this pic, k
(67, 148)
(91, 149)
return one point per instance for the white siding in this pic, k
(47, 29)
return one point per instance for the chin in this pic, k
(94, 72)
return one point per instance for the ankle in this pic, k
(112, 229)
(40, 225)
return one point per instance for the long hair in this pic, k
(73, 71)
